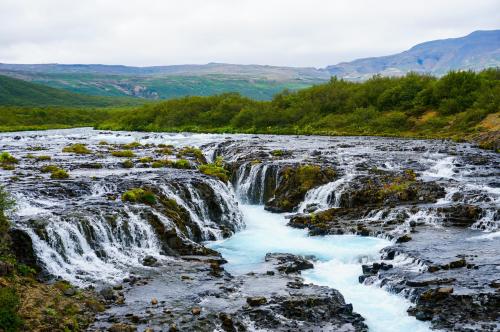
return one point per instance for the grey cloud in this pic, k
(287, 32)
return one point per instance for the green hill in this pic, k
(15, 92)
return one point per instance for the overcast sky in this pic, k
(287, 32)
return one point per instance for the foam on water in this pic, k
(339, 265)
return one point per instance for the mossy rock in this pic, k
(139, 195)
(59, 174)
(294, 184)
(123, 154)
(215, 169)
(77, 148)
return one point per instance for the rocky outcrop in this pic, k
(389, 188)
(276, 300)
(294, 182)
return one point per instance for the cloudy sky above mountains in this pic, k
(286, 32)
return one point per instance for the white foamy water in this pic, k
(340, 258)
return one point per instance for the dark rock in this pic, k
(149, 261)
(288, 263)
(404, 238)
(256, 301)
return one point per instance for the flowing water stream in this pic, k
(338, 265)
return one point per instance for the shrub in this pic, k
(146, 160)
(123, 153)
(77, 148)
(9, 304)
(139, 195)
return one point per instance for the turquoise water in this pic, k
(339, 265)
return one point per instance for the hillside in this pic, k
(165, 82)
(16, 92)
(476, 51)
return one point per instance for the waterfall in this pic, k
(255, 182)
(91, 248)
(96, 238)
(327, 195)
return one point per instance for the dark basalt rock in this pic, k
(462, 215)
(22, 248)
(288, 263)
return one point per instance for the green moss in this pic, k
(128, 163)
(139, 195)
(49, 168)
(215, 169)
(133, 145)
(165, 150)
(8, 167)
(59, 174)
(77, 148)
(194, 152)
(43, 158)
(7, 159)
(277, 153)
(158, 164)
(145, 160)
(123, 153)
(9, 304)
(179, 163)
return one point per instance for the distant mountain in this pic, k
(162, 82)
(476, 51)
(480, 49)
(15, 92)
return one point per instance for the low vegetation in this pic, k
(55, 172)
(7, 161)
(460, 105)
(123, 153)
(215, 169)
(77, 148)
(139, 195)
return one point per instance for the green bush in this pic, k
(9, 304)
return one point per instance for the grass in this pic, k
(123, 154)
(77, 148)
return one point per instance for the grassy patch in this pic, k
(139, 195)
(215, 169)
(77, 148)
(123, 154)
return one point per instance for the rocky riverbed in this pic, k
(139, 220)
